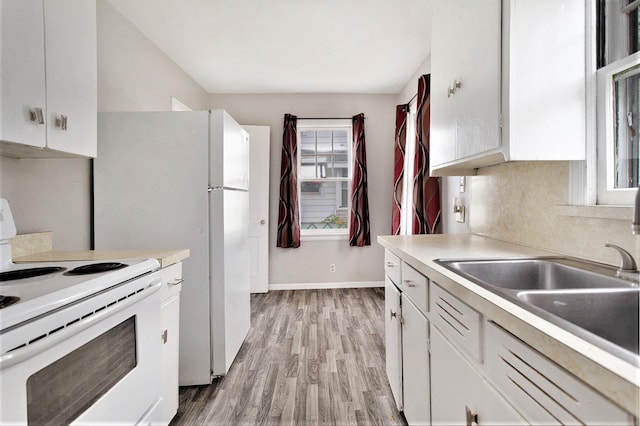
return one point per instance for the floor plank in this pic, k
(312, 357)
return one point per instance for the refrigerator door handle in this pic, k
(225, 188)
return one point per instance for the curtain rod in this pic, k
(326, 118)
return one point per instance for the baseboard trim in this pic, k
(320, 286)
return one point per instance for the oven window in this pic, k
(60, 392)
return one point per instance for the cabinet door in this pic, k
(22, 78)
(466, 81)
(393, 340)
(460, 395)
(444, 70)
(71, 77)
(170, 335)
(478, 99)
(415, 364)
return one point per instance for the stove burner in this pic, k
(19, 274)
(7, 300)
(94, 268)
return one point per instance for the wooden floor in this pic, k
(311, 357)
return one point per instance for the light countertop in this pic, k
(617, 379)
(165, 257)
(38, 247)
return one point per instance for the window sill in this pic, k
(595, 211)
(324, 237)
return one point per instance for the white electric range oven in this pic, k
(79, 344)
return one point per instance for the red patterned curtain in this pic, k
(359, 229)
(288, 223)
(426, 189)
(398, 166)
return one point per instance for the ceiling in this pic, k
(289, 46)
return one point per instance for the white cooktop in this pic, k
(45, 293)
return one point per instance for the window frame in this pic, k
(588, 179)
(607, 194)
(326, 124)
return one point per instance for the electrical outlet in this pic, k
(332, 267)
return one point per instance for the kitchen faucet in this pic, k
(628, 269)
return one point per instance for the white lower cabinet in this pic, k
(459, 393)
(541, 390)
(407, 339)
(170, 337)
(415, 364)
(449, 364)
(393, 340)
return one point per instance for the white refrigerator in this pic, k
(174, 180)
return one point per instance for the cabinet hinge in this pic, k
(500, 120)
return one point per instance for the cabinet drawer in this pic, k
(541, 390)
(460, 323)
(415, 286)
(171, 281)
(392, 266)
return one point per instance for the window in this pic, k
(406, 214)
(617, 98)
(324, 176)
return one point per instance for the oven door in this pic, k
(101, 366)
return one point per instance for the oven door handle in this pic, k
(19, 355)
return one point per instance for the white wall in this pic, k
(310, 262)
(133, 75)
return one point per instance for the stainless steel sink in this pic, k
(585, 298)
(536, 274)
(611, 314)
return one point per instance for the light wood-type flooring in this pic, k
(311, 357)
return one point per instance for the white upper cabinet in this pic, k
(48, 78)
(507, 83)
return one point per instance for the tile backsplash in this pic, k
(515, 202)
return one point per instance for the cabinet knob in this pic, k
(36, 116)
(409, 283)
(163, 336)
(61, 122)
(262, 222)
(390, 264)
(392, 314)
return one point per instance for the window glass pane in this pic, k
(308, 167)
(633, 31)
(307, 142)
(340, 141)
(344, 195)
(626, 127)
(325, 141)
(322, 209)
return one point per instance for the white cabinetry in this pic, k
(48, 78)
(541, 390)
(501, 89)
(393, 340)
(170, 336)
(415, 364)
(460, 395)
(407, 339)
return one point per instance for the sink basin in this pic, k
(582, 297)
(536, 274)
(612, 314)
